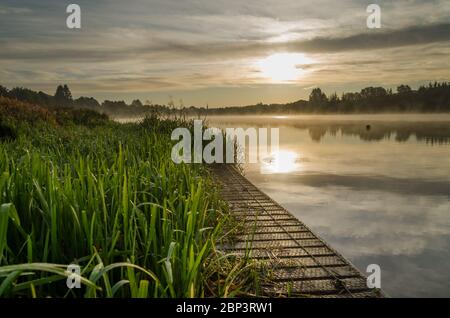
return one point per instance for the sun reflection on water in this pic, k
(282, 161)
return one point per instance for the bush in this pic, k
(84, 117)
(15, 111)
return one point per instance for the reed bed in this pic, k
(109, 199)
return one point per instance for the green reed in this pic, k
(109, 199)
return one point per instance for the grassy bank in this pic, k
(76, 188)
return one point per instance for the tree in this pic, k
(63, 96)
(114, 105)
(404, 89)
(86, 102)
(371, 92)
(137, 103)
(317, 98)
(27, 95)
(333, 102)
(3, 91)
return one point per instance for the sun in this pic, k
(283, 67)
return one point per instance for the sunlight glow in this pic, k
(280, 162)
(282, 67)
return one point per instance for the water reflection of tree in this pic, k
(429, 132)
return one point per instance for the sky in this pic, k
(221, 52)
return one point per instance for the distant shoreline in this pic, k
(430, 99)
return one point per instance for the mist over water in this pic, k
(376, 187)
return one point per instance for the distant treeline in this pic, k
(63, 99)
(431, 98)
(434, 97)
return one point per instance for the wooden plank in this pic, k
(298, 273)
(273, 244)
(320, 287)
(274, 236)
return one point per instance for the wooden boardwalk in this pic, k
(299, 263)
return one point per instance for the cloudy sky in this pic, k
(222, 52)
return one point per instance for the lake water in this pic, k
(376, 187)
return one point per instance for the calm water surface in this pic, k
(377, 188)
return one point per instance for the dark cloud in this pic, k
(165, 48)
(376, 40)
(365, 41)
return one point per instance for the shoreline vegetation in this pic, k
(431, 98)
(78, 188)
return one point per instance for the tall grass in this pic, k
(109, 199)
